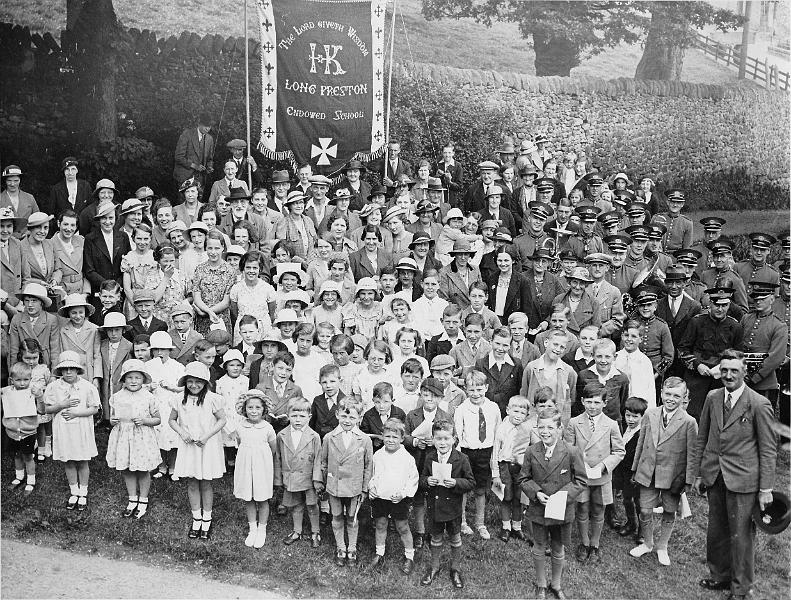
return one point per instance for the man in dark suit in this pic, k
(194, 155)
(104, 249)
(392, 166)
(451, 174)
(475, 198)
(144, 322)
(734, 461)
(677, 309)
(70, 193)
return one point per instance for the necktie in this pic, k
(726, 408)
(592, 423)
(664, 419)
(675, 302)
(5, 252)
(183, 338)
(481, 426)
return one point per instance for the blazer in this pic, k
(611, 312)
(136, 328)
(346, 471)
(452, 178)
(279, 404)
(464, 356)
(475, 198)
(26, 207)
(506, 218)
(86, 343)
(543, 295)
(111, 373)
(587, 313)
(413, 419)
(372, 423)
(435, 346)
(34, 266)
(663, 457)
(287, 230)
(616, 393)
(71, 265)
(360, 266)
(183, 353)
(502, 384)
(46, 332)
(180, 214)
(190, 153)
(59, 201)
(260, 226)
(13, 271)
(743, 448)
(565, 470)
(434, 229)
(384, 169)
(222, 188)
(297, 468)
(322, 419)
(445, 504)
(678, 324)
(605, 445)
(101, 263)
(518, 298)
(452, 286)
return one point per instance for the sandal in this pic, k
(315, 540)
(72, 503)
(15, 484)
(82, 503)
(141, 509)
(205, 534)
(40, 458)
(194, 531)
(129, 510)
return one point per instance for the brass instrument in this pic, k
(753, 361)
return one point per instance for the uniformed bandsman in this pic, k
(688, 258)
(722, 251)
(679, 228)
(659, 260)
(756, 268)
(620, 275)
(656, 342)
(785, 244)
(608, 223)
(635, 256)
(586, 241)
(712, 230)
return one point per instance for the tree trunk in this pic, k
(73, 10)
(97, 32)
(554, 55)
(663, 56)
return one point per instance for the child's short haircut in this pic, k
(557, 333)
(412, 365)
(451, 310)
(343, 342)
(433, 273)
(305, 330)
(635, 405)
(284, 356)
(142, 338)
(297, 403)
(519, 402)
(604, 344)
(20, 369)
(347, 405)
(479, 285)
(502, 332)
(202, 345)
(560, 309)
(406, 331)
(474, 319)
(674, 382)
(248, 320)
(517, 317)
(544, 394)
(330, 369)
(550, 412)
(593, 390)
(442, 425)
(110, 285)
(631, 324)
(383, 389)
(388, 270)
(400, 300)
(394, 425)
(475, 378)
(379, 346)
(323, 326)
(594, 328)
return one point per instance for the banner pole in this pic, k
(389, 89)
(247, 98)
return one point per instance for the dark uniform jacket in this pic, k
(766, 333)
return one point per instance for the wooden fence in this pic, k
(759, 70)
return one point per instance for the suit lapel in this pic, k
(556, 459)
(655, 418)
(741, 407)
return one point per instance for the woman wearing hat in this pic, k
(371, 214)
(103, 192)
(129, 217)
(71, 193)
(296, 228)
(22, 203)
(364, 314)
(400, 238)
(451, 232)
(339, 205)
(33, 300)
(583, 308)
(252, 296)
(211, 288)
(357, 188)
(138, 267)
(14, 268)
(69, 247)
(40, 252)
(187, 211)
(81, 336)
(422, 252)
(425, 213)
(456, 278)
(167, 282)
(104, 248)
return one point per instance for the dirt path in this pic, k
(30, 571)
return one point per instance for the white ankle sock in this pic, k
(516, 525)
(507, 525)
(20, 474)
(380, 550)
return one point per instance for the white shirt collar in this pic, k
(736, 394)
(444, 337)
(578, 355)
(613, 372)
(507, 360)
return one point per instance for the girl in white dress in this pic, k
(132, 446)
(197, 417)
(165, 373)
(73, 402)
(254, 473)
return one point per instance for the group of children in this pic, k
(322, 422)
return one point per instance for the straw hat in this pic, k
(161, 340)
(366, 284)
(114, 319)
(329, 286)
(298, 295)
(254, 393)
(232, 354)
(135, 366)
(68, 359)
(289, 267)
(38, 218)
(197, 370)
(37, 291)
(286, 315)
(131, 205)
(73, 301)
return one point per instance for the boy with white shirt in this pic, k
(663, 465)
(477, 420)
(394, 481)
(407, 395)
(427, 309)
(616, 384)
(472, 349)
(631, 361)
(582, 358)
(479, 294)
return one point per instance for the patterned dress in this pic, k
(175, 292)
(214, 282)
(140, 268)
(253, 301)
(133, 447)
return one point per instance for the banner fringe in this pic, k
(285, 155)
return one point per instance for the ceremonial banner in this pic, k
(322, 67)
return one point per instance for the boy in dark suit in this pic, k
(145, 322)
(445, 499)
(503, 373)
(183, 335)
(374, 418)
(550, 466)
(324, 411)
(442, 343)
(622, 475)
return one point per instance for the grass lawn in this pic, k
(744, 221)
(457, 43)
(492, 569)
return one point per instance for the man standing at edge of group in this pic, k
(734, 462)
(194, 155)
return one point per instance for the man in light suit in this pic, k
(194, 155)
(22, 203)
(735, 460)
(605, 294)
(663, 465)
(229, 183)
